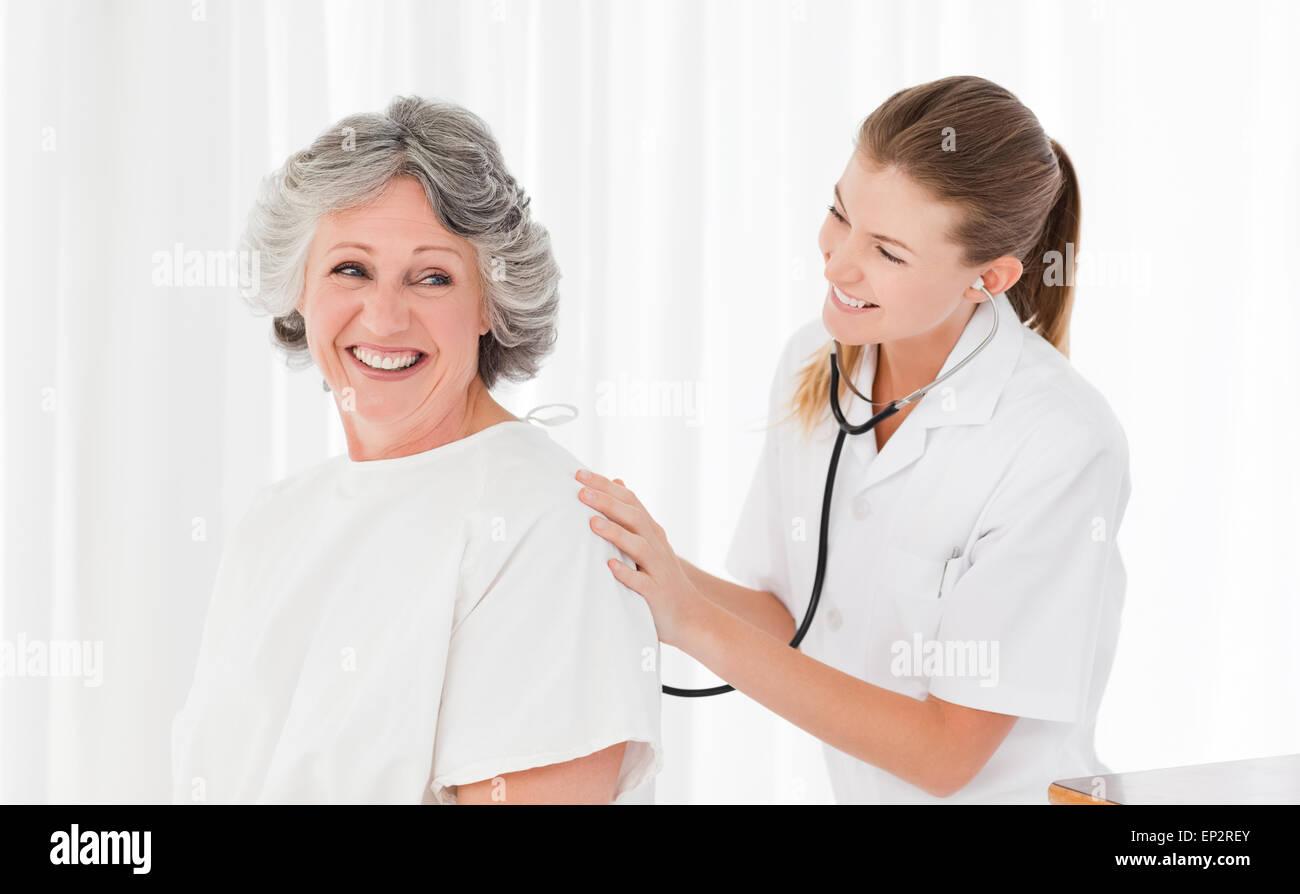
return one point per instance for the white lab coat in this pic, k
(988, 522)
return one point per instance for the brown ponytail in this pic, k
(1044, 294)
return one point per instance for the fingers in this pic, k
(614, 509)
(618, 490)
(634, 545)
(615, 500)
(631, 578)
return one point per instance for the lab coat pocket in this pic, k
(951, 571)
(913, 600)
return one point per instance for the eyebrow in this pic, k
(881, 236)
(416, 250)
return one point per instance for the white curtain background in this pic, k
(681, 155)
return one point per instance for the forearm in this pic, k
(887, 729)
(759, 607)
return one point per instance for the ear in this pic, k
(1000, 275)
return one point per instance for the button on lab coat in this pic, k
(987, 526)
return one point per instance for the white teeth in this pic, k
(851, 302)
(377, 362)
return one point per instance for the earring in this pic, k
(324, 384)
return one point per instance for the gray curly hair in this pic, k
(453, 155)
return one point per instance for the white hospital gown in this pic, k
(382, 631)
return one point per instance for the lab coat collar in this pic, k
(968, 398)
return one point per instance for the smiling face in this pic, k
(884, 243)
(385, 284)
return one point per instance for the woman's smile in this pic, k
(387, 366)
(839, 299)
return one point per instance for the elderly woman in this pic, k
(428, 618)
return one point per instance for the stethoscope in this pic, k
(847, 429)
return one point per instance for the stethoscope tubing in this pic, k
(823, 533)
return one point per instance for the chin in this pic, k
(844, 331)
(380, 409)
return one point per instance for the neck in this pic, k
(478, 411)
(906, 364)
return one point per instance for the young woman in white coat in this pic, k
(973, 586)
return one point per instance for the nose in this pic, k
(384, 309)
(840, 264)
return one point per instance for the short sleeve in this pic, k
(1040, 577)
(556, 660)
(757, 554)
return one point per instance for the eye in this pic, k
(887, 255)
(349, 265)
(440, 279)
